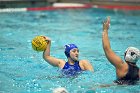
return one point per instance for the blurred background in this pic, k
(42, 3)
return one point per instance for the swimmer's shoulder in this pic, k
(86, 65)
(82, 63)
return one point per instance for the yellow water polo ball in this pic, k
(39, 43)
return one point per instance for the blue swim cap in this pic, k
(68, 47)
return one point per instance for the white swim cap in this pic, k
(60, 90)
(132, 54)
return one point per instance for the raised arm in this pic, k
(51, 60)
(111, 56)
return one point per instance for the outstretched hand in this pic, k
(106, 24)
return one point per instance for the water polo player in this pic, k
(73, 65)
(127, 71)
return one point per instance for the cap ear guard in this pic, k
(132, 59)
(67, 54)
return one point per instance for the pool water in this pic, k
(23, 70)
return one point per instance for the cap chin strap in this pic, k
(73, 59)
(134, 64)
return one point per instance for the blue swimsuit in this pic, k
(71, 70)
(131, 77)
